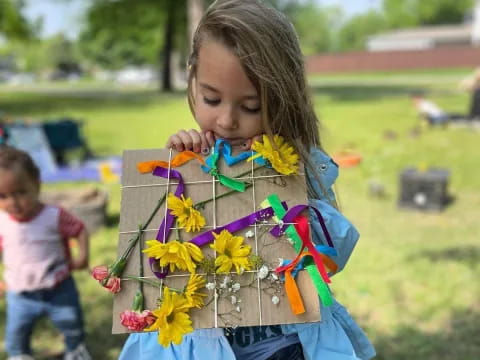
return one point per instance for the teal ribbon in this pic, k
(224, 180)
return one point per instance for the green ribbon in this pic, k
(225, 180)
(322, 288)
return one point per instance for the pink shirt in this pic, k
(35, 252)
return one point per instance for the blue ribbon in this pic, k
(224, 149)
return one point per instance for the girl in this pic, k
(34, 240)
(247, 79)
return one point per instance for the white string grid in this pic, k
(260, 315)
(214, 226)
(165, 215)
(214, 206)
(205, 181)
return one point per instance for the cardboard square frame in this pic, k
(140, 194)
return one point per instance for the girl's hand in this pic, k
(247, 145)
(194, 140)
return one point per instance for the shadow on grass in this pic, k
(52, 101)
(363, 92)
(469, 255)
(457, 340)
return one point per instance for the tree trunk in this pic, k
(194, 14)
(168, 46)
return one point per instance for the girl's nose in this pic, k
(227, 119)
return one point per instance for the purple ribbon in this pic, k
(207, 237)
(292, 214)
(167, 222)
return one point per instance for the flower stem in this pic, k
(146, 281)
(133, 240)
(201, 204)
(140, 271)
(177, 231)
(247, 172)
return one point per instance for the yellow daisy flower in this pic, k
(173, 320)
(175, 254)
(187, 217)
(195, 298)
(281, 155)
(230, 251)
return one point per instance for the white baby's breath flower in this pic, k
(225, 281)
(210, 286)
(236, 287)
(275, 300)
(249, 234)
(233, 299)
(263, 272)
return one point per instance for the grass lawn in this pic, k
(412, 282)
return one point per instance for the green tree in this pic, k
(13, 24)
(316, 26)
(124, 32)
(354, 33)
(406, 13)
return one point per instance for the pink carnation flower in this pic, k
(112, 284)
(136, 321)
(100, 272)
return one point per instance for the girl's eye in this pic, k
(251, 110)
(212, 102)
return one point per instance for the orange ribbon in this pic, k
(291, 288)
(178, 160)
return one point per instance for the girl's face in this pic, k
(19, 194)
(226, 102)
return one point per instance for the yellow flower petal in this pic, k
(174, 254)
(187, 217)
(172, 320)
(193, 296)
(281, 155)
(231, 251)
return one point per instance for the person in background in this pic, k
(37, 262)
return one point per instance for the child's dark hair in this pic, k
(11, 158)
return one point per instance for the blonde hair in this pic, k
(267, 46)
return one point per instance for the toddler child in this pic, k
(37, 261)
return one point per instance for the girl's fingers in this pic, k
(186, 139)
(205, 148)
(210, 139)
(247, 145)
(196, 140)
(192, 140)
(175, 142)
